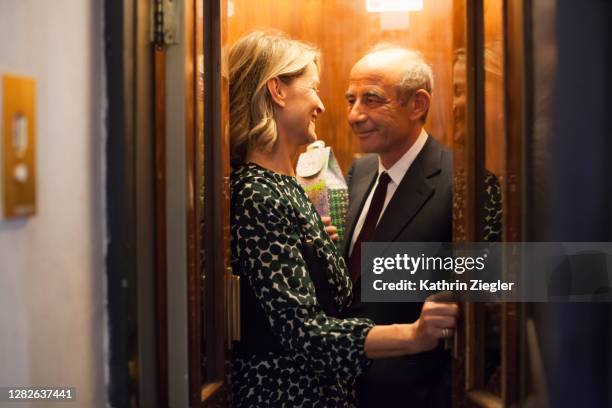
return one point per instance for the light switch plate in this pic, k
(18, 147)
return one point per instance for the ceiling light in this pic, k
(381, 6)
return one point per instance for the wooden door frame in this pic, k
(178, 169)
(202, 171)
(469, 153)
(212, 31)
(468, 145)
(130, 176)
(145, 368)
(175, 203)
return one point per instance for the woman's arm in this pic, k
(437, 321)
(395, 340)
(267, 244)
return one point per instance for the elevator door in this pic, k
(471, 113)
(488, 126)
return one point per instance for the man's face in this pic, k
(378, 117)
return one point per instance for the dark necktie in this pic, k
(369, 225)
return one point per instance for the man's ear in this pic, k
(277, 91)
(421, 101)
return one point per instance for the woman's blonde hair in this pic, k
(253, 60)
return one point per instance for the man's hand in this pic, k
(438, 320)
(331, 230)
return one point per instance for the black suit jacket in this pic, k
(419, 211)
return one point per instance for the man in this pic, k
(406, 185)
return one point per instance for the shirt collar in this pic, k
(399, 169)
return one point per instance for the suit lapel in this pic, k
(411, 195)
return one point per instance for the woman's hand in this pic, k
(331, 230)
(437, 321)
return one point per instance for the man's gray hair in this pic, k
(418, 74)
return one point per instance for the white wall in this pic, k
(52, 280)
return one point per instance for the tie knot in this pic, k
(384, 179)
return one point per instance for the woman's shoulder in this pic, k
(256, 186)
(252, 177)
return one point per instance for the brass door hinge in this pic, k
(165, 19)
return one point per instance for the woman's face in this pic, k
(296, 119)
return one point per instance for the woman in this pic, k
(292, 353)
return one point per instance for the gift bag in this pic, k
(320, 176)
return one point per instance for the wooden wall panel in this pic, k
(495, 129)
(344, 31)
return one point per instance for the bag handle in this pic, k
(318, 144)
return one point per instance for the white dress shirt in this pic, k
(396, 173)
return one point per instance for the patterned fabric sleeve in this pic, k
(267, 245)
